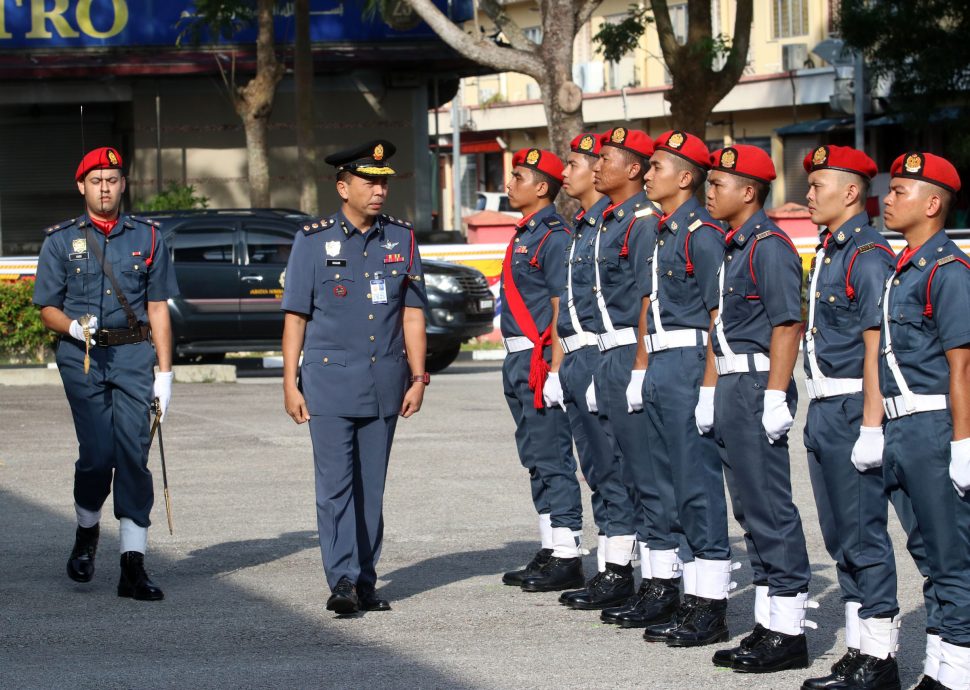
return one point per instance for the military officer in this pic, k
(621, 251)
(924, 377)
(354, 296)
(755, 346)
(843, 433)
(682, 307)
(103, 281)
(533, 275)
(575, 334)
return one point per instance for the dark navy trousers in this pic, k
(350, 456)
(759, 480)
(687, 465)
(916, 467)
(545, 446)
(629, 431)
(110, 405)
(852, 507)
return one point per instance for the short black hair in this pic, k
(698, 174)
(344, 176)
(554, 184)
(630, 158)
(761, 190)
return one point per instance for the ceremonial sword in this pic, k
(156, 425)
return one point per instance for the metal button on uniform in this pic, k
(730, 256)
(365, 253)
(372, 338)
(393, 273)
(337, 276)
(831, 298)
(828, 259)
(370, 316)
(817, 295)
(814, 329)
(661, 243)
(896, 282)
(366, 274)
(107, 292)
(730, 289)
(77, 270)
(670, 273)
(368, 295)
(373, 359)
(326, 359)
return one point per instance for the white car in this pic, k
(495, 201)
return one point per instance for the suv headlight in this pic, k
(443, 282)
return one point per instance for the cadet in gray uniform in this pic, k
(353, 297)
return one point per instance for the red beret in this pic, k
(745, 160)
(840, 158)
(632, 140)
(929, 168)
(104, 158)
(544, 161)
(587, 142)
(687, 146)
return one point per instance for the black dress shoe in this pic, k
(776, 652)
(658, 632)
(725, 657)
(927, 683)
(514, 578)
(872, 673)
(614, 587)
(568, 595)
(705, 622)
(134, 581)
(556, 575)
(610, 615)
(80, 564)
(343, 600)
(368, 600)
(841, 670)
(658, 606)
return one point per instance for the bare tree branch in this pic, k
(665, 32)
(583, 10)
(737, 59)
(509, 28)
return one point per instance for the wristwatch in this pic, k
(424, 378)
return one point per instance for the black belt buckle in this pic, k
(121, 336)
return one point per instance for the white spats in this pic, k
(601, 553)
(713, 578)
(132, 537)
(665, 564)
(762, 606)
(690, 577)
(931, 666)
(954, 667)
(788, 614)
(545, 530)
(564, 543)
(852, 624)
(879, 637)
(86, 518)
(645, 570)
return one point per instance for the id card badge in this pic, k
(378, 291)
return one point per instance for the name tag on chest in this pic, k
(77, 256)
(378, 292)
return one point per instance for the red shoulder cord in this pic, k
(534, 261)
(755, 244)
(690, 264)
(928, 309)
(151, 254)
(849, 290)
(411, 258)
(625, 249)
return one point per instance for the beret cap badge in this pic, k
(914, 163)
(818, 158)
(729, 158)
(676, 140)
(532, 157)
(619, 134)
(587, 143)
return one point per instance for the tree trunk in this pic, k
(258, 161)
(305, 138)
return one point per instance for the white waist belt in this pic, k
(517, 343)
(741, 364)
(610, 339)
(896, 407)
(687, 337)
(571, 343)
(827, 388)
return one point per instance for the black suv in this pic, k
(230, 262)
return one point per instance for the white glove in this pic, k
(552, 391)
(960, 465)
(704, 410)
(591, 397)
(776, 419)
(867, 451)
(163, 391)
(77, 330)
(634, 391)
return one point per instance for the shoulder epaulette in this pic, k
(318, 225)
(945, 260)
(762, 235)
(868, 246)
(148, 221)
(60, 226)
(552, 222)
(643, 212)
(398, 221)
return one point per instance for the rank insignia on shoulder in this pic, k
(521, 250)
(553, 222)
(945, 260)
(762, 235)
(394, 258)
(868, 246)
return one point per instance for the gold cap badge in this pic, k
(676, 140)
(532, 157)
(587, 143)
(112, 158)
(379, 152)
(818, 158)
(729, 158)
(619, 134)
(914, 163)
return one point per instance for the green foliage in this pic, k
(616, 40)
(23, 338)
(176, 197)
(208, 19)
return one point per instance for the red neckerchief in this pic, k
(905, 256)
(105, 226)
(525, 220)
(730, 235)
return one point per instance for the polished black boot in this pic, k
(344, 600)
(514, 578)
(841, 670)
(567, 596)
(658, 632)
(725, 657)
(776, 652)
(80, 564)
(134, 581)
(610, 615)
(368, 600)
(927, 683)
(616, 586)
(872, 673)
(705, 622)
(658, 606)
(556, 575)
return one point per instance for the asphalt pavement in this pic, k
(244, 586)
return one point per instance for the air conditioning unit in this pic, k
(793, 56)
(589, 76)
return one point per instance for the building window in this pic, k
(790, 18)
(678, 17)
(534, 34)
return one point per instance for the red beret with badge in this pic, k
(544, 161)
(587, 142)
(844, 158)
(685, 145)
(632, 140)
(928, 167)
(744, 160)
(104, 158)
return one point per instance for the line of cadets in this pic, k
(661, 336)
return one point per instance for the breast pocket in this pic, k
(907, 328)
(132, 275)
(394, 285)
(611, 266)
(833, 307)
(673, 280)
(338, 285)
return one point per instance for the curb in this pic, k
(184, 373)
